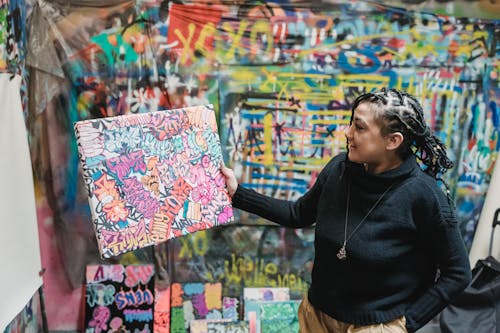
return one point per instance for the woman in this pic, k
(388, 251)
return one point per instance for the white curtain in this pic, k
(20, 262)
(481, 243)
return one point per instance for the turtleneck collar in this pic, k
(358, 174)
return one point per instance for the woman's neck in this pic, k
(376, 168)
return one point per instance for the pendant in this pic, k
(342, 254)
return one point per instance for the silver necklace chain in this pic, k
(342, 254)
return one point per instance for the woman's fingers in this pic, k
(231, 182)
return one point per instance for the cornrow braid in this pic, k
(398, 111)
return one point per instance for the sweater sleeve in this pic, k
(295, 214)
(453, 264)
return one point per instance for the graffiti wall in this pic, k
(13, 43)
(460, 8)
(12, 35)
(282, 78)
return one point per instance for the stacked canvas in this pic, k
(218, 326)
(270, 310)
(119, 298)
(153, 176)
(192, 301)
(274, 316)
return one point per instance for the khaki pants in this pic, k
(312, 320)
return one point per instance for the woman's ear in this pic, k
(394, 140)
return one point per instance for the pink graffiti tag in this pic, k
(121, 165)
(128, 238)
(139, 197)
(138, 274)
(99, 322)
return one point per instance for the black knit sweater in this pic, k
(394, 256)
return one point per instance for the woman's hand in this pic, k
(231, 182)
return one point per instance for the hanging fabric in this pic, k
(20, 260)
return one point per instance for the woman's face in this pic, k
(364, 138)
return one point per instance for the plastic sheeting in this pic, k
(58, 32)
(46, 70)
(127, 57)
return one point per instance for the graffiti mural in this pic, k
(282, 78)
(12, 36)
(485, 9)
(252, 256)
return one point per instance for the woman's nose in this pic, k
(347, 132)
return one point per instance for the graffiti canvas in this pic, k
(266, 294)
(162, 309)
(192, 301)
(273, 316)
(230, 308)
(151, 177)
(218, 326)
(201, 325)
(31, 318)
(119, 298)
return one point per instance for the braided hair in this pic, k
(398, 111)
